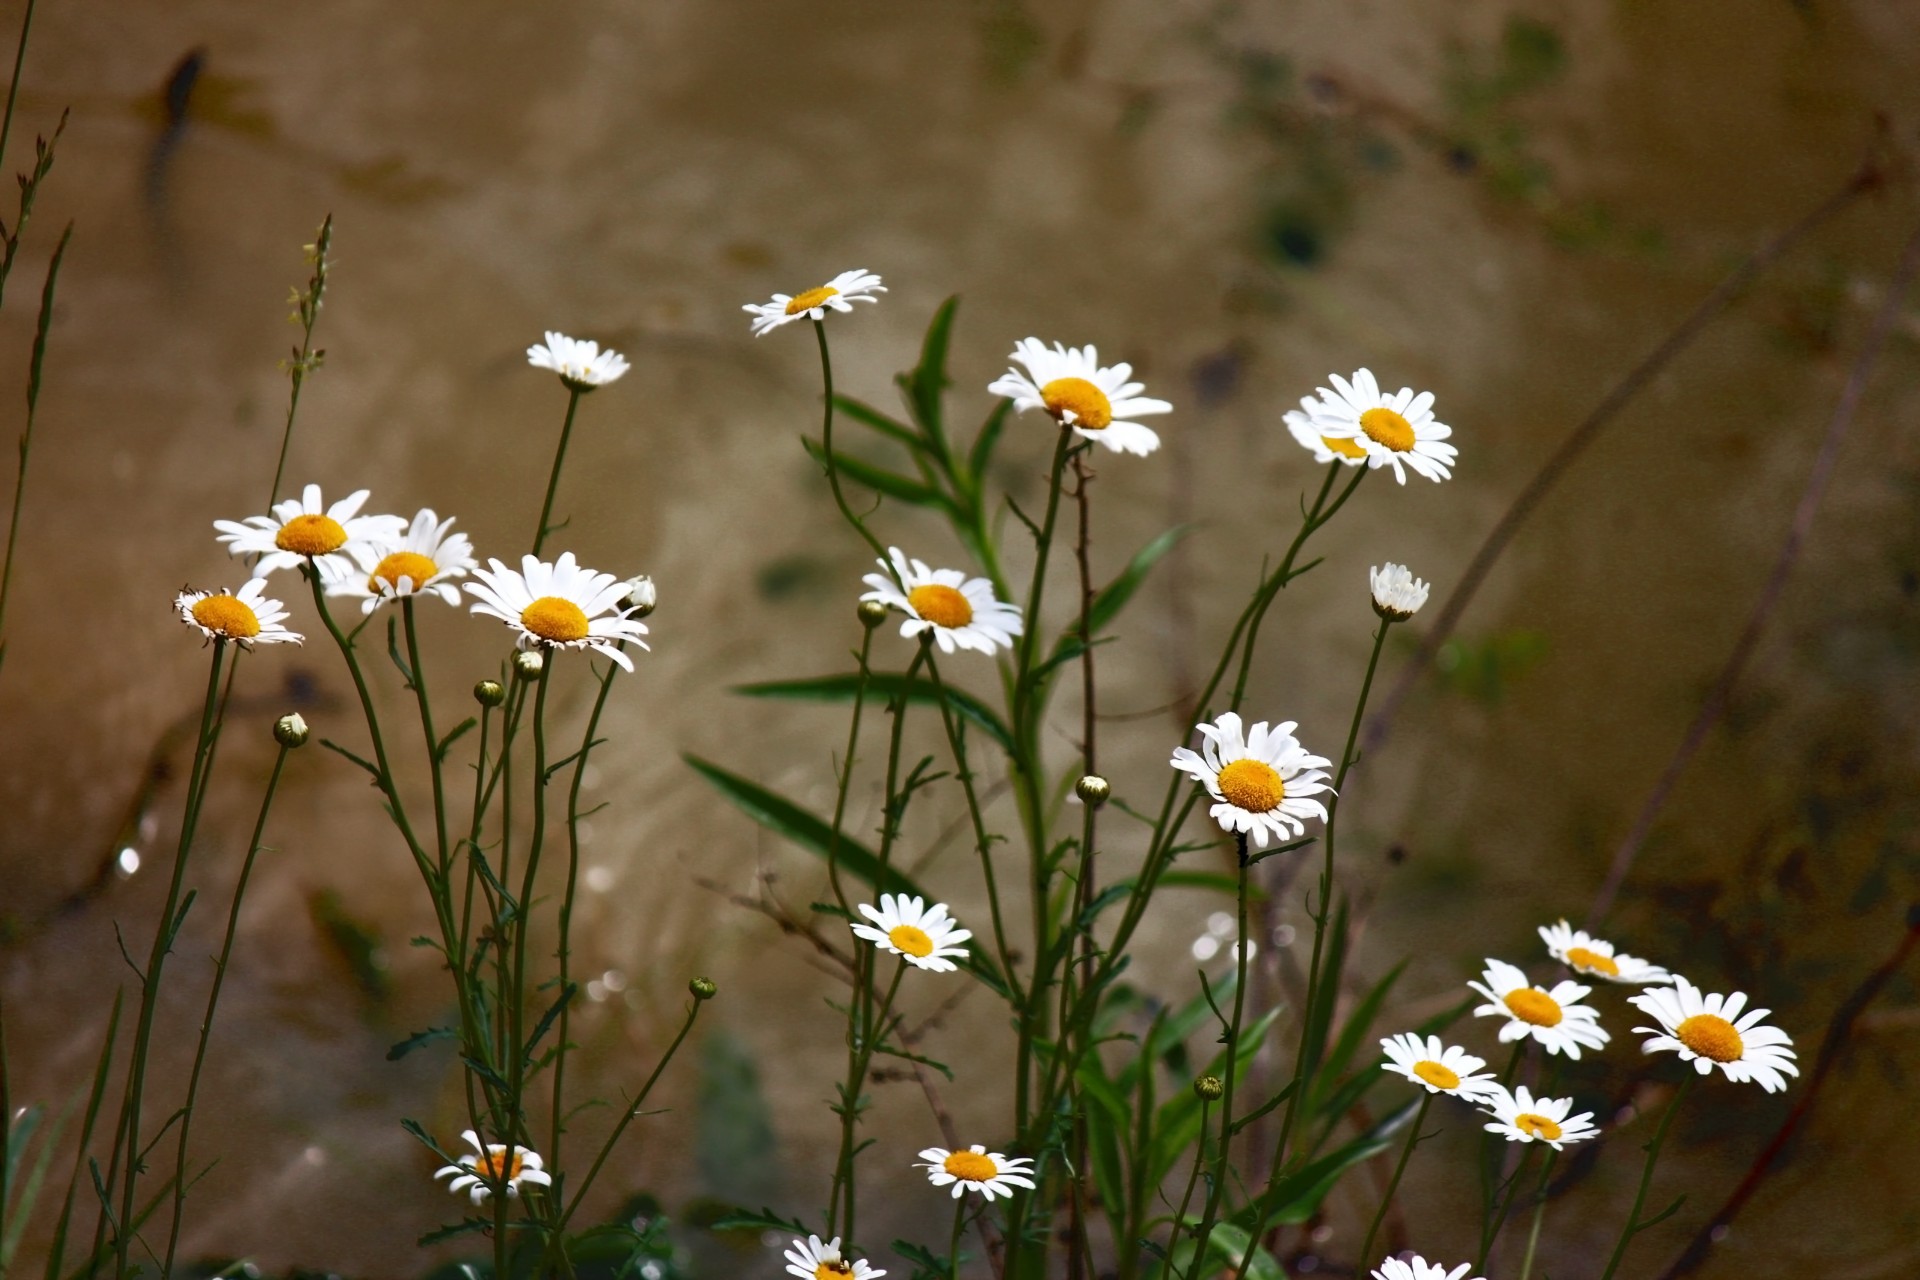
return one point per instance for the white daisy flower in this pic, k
(1521, 1117)
(1703, 1030)
(559, 606)
(1323, 448)
(245, 616)
(1555, 1018)
(1397, 431)
(927, 936)
(1441, 1068)
(1397, 594)
(977, 1169)
(481, 1173)
(839, 294)
(1418, 1268)
(1069, 384)
(960, 611)
(811, 1260)
(422, 561)
(304, 528)
(581, 365)
(1262, 781)
(1596, 958)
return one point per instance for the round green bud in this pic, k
(871, 613)
(1092, 789)
(529, 663)
(1209, 1089)
(290, 730)
(703, 988)
(488, 693)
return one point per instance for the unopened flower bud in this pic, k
(872, 613)
(1397, 594)
(528, 664)
(640, 597)
(488, 693)
(703, 988)
(1209, 1089)
(1092, 789)
(290, 730)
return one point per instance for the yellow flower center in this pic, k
(1343, 446)
(1384, 426)
(554, 619)
(972, 1166)
(833, 1271)
(1592, 961)
(1710, 1037)
(1252, 785)
(493, 1166)
(1087, 403)
(310, 535)
(1536, 1007)
(810, 299)
(402, 564)
(914, 941)
(942, 606)
(1440, 1077)
(1538, 1126)
(226, 616)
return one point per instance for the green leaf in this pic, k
(1228, 1244)
(1354, 1029)
(1112, 598)
(868, 416)
(879, 479)
(1297, 1195)
(885, 684)
(928, 379)
(1177, 1126)
(419, 1039)
(985, 442)
(764, 1219)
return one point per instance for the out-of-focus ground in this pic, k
(1508, 204)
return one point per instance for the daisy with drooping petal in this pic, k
(1441, 1068)
(423, 561)
(581, 365)
(1397, 594)
(1555, 1018)
(927, 937)
(811, 1260)
(245, 616)
(1596, 958)
(1262, 781)
(1323, 448)
(559, 606)
(480, 1174)
(1709, 1029)
(839, 294)
(1521, 1117)
(1418, 1268)
(1396, 430)
(961, 612)
(304, 528)
(1070, 385)
(977, 1169)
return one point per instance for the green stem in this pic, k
(1218, 1188)
(1539, 1213)
(305, 362)
(213, 1002)
(13, 89)
(953, 1240)
(536, 842)
(1491, 1232)
(553, 479)
(859, 1059)
(1193, 1179)
(826, 452)
(1393, 1184)
(956, 742)
(1633, 1226)
(844, 782)
(433, 742)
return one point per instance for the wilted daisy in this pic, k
(559, 606)
(811, 1260)
(927, 936)
(977, 1169)
(423, 561)
(1418, 1268)
(305, 528)
(1262, 780)
(1703, 1030)
(1555, 1018)
(1397, 431)
(838, 294)
(1323, 448)
(581, 365)
(1521, 1117)
(245, 616)
(489, 1167)
(960, 611)
(1595, 957)
(1441, 1068)
(1069, 384)
(1397, 594)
